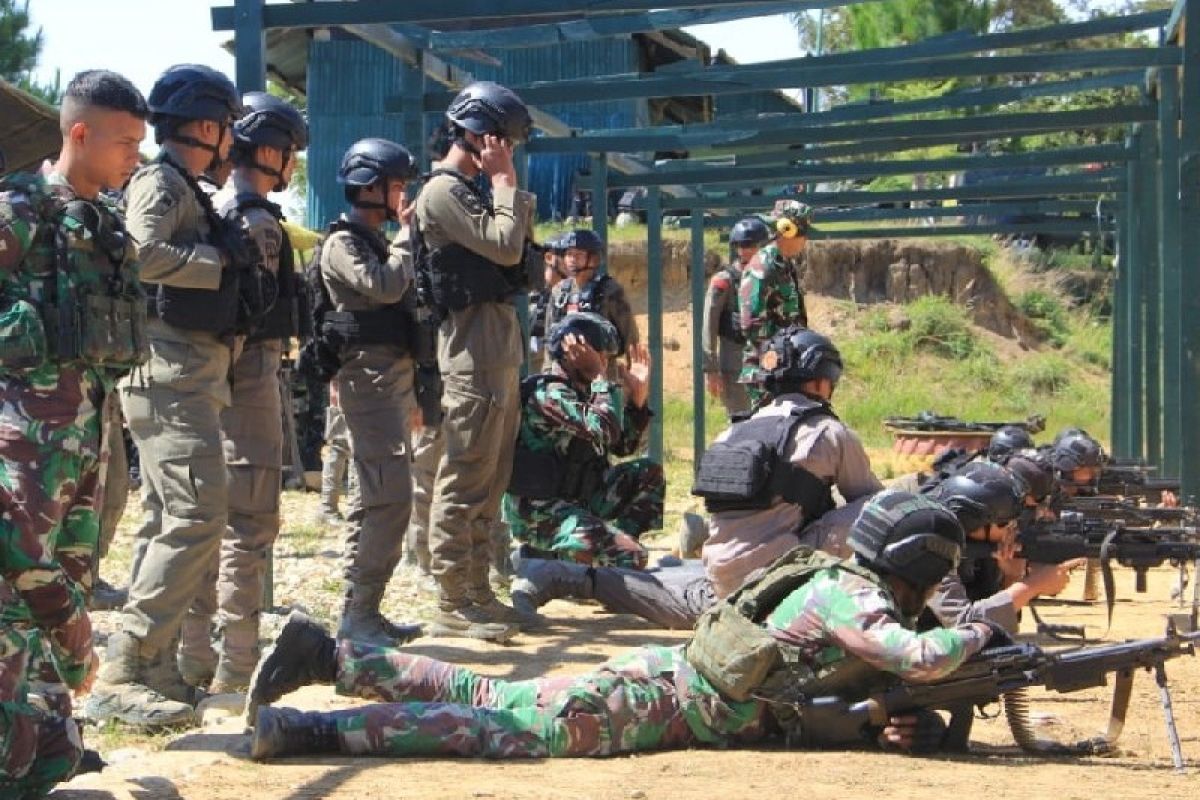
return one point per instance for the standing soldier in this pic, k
(590, 288)
(769, 295)
(71, 321)
(469, 266)
(723, 339)
(334, 462)
(173, 403)
(265, 142)
(371, 328)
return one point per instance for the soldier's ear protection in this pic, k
(787, 228)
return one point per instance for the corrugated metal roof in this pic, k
(28, 129)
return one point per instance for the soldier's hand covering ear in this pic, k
(496, 160)
(582, 358)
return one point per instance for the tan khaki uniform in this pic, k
(253, 445)
(479, 354)
(723, 356)
(172, 405)
(743, 541)
(375, 391)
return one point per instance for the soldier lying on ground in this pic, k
(833, 618)
(809, 448)
(565, 498)
(993, 582)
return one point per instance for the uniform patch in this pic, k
(721, 284)
(469, 200)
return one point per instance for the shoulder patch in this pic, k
(721, 283)
(466, 198)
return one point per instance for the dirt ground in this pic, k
(210, 762)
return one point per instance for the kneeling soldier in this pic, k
(565, 497)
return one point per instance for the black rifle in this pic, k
(929, 421)
(1006, 672)
(1134, 479)
(1126, 509)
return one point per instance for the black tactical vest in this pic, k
(289, 316)
(592, 298)
(749, 469)
(547, 474)
(454, 277)
(728, 326)
(247, 290)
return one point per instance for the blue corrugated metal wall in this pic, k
(350, 81)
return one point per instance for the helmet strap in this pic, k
(191, 141)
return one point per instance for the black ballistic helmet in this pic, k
(484, 107)
(194, 91)
(268, 121)
(981, 494)
(581, 239)
(1075, 448)
(369, 161)
(595, 330)
(909, 536)
(1008, 440)
(750, 231)
(798, 354)
(1035, 471)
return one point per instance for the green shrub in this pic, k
(1044, 374)
(1047, 315)
(941, 328)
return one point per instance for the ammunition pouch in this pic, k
(749, 469)
(388, 326)
(23, 340)
(734, 651)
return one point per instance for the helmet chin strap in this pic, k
(191, 141)
(280, 182)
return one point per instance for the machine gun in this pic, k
(929, 421)
(1005, 673)
(1126, 509)
(1134, 480)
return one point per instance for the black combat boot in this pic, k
(303, 654)
(289, 732)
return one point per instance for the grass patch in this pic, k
(1045, 374)
(1047, 315)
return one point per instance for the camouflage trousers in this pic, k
(603, 529)
(649, 699)
(38, 747)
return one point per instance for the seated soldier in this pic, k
(565, 499)
(799, 432)
(835, 617)
(992, 581)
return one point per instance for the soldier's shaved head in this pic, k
(99, 89)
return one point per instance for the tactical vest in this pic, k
(749, 468)
(79, 301)
(395, 324)
(734, 651)
(592, 298)
(547, 474)
(288, 316)
(454, 277)
(247, 290)
(728, 325)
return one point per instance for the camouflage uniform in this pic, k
(649, 699)
(602, 528)
(769, 300)
(722, 353)
(50, 465)
(613, 306)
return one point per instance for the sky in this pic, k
(141, 38)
